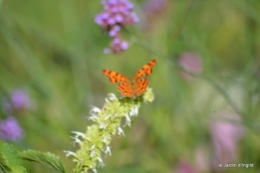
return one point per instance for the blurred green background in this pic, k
(54, 50)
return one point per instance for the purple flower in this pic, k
(117, 46)
(117, 14)
(20, 100)
(10, 130)
(114, 31)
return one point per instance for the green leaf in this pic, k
(10, 161)
(45, 158)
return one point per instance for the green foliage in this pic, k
(10, 161)
(44, 158)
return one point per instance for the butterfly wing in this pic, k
(126, 89)
(141, 85)
(115, 77)
(146, 70)
(124, 84)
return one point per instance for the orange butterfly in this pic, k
(132, 87)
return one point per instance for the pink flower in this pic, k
(225, 137)
(154, 10)
(185, 167)
(151, 7)
(191, 62)
(202, 163)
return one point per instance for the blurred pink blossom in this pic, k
(154, 9)
(202, 163)
(185, 167)
(225, 137)
(191, 62)
(154, 6)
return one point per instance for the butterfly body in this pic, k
(135, 86)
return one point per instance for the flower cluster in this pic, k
(18, 101)
(107, 122)
(116, 15)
